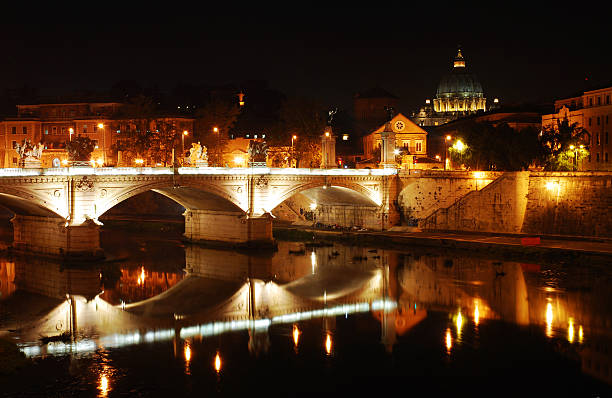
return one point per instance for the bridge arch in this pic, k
(370, 194)
(190, 195)
(25, 202)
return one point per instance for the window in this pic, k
(590, 121)
(606, 157)
(607, 100)
(419, 146)
(598, 100)
(14, 144)
(46, 131)
(597, 158)
(15, 160)
(13, 130)
(606, 139)
(54, 130)
(598, 120)
(597, 139)
(590, 101)
(84, 129)
(24, 130)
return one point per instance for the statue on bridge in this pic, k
(29, 154)
(258, 153)
(330, 116)
(198, 156)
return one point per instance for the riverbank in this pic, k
(512, 246)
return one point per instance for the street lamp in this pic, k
(216, 131)
(446, 146)
(293, 137)
(70, 131)
(185, 133)
(101, 127)
(575, 159)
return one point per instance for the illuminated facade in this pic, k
(592, 111)
(459, 94)
(409, 138)
(56, 124)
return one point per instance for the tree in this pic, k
(305, 118)
(564, 145)
(80, 148)
(134, 128)
(163, 139)
(213, 122)
(488, 146)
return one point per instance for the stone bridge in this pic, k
(57, 210)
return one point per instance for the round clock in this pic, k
(399, 125)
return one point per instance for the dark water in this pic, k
(368, 321)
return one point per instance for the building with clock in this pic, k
(410, 139)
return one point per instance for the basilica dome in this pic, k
(459, 91)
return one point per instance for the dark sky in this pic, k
(519, 55)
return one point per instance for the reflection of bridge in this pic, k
(57, 210)
(222, 291)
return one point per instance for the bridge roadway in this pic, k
(57, 210)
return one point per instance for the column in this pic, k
(387, 150)
(328, 149)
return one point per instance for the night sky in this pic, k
(518, 56)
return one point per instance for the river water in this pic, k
(165, 318)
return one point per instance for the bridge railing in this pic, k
(67, 171)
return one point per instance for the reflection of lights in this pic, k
(476, 312)
(187, 351)
(459, 322)
(580, 334)
(103, 386)
(313, 261)
(549, 319)
(328, 344)
(203, 330)
(570, 330)
(449, 340)
(552, 185)
(141, 277)
(296, 335)
(217, 362)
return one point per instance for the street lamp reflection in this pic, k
(296, 336)
(217, 362)
(328, 344)
(449, 341)
(549, 319)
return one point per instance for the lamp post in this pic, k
(101, 127)
(575, 159)
(216, 131)
(185, 133)
(446, 146)
(293, 137)
(70, 131)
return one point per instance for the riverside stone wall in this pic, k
(555, 203)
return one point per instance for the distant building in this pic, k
(459, 94)
(56, 124)
(370, 106)
(591, 110)
(409, 138)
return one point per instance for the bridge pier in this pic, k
(53, 237)
(228, 228)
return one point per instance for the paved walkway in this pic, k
(580, 244)
(465, 240)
